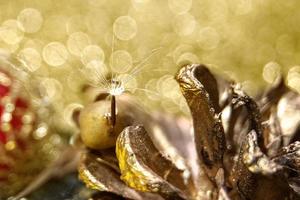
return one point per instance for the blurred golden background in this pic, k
(61, 44)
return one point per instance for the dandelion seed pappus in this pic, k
(112, 110)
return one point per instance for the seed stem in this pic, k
(113, 110)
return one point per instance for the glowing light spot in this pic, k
(6, 117)
(31, 20)
(30, 58)
(28, 118)
(271, 72)
(55, 54)
(294, 83)
(120, 61)
(41, 131)
(92, 52)
(293, 78)
(208, 38)
(5, 80)
(184, 24)
(10, 145)
(11, 32)
(180, 6)
(50, 89)
(294, 71)
(55, 139)
(8, 48)
(34, 44)
(125, 28)
(77, 42)
(95, 72)
(5, 127)
(170, 89)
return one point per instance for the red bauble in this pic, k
(13, 135)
